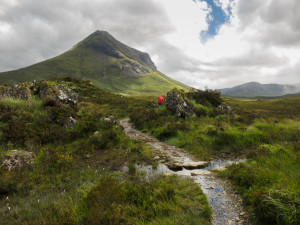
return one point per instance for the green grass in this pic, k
(267, 132)
(74, 168)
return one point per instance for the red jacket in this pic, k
(160, 100)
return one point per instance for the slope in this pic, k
(108, 63)
(253, 89)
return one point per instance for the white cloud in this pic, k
(261, 42)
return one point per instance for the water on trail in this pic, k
(226, 204)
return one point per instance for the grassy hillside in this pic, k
(253, 89)
(266, 132)
(108, 63)
(78, 175)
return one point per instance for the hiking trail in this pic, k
(226, 204)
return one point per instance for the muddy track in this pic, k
(226, 204)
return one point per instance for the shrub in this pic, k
(52, 102)
(206, 97)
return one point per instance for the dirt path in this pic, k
(226, 204)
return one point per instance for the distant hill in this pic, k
(253, 89)
(108, 63)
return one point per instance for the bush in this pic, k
(206, 97)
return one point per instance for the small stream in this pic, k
(226, 204)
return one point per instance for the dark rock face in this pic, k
(16, 160)
(176, 103)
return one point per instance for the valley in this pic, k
(78, 175)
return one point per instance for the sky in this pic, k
(202, 43)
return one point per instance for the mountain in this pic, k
(253, 89)
(108, 63)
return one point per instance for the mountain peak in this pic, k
(101, 33)
(104, 43)
(107, 62)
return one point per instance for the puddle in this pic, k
(226, 204)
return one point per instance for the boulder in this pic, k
(70, 123)
(176, 103)
(225, 109)
(20, 91)
(195, 165)
(67, 96)
(111, 119)
(59, 92)
(16, 160)
(175, 166)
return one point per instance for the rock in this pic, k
(16, 160)
(219, 169)
(59, 92)
(195, 165)
(70, 123)
(176, 104)
(225, 109)
(44, 89)
(110, 119)
(200, 172)
(168, 174)
(156, 157)
(96, 133)
(242, 213)
(230, 222)
(20, 91)
(175, 166)
(67, 96)
(237, 219)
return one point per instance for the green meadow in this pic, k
(78, 175)
(266, 132)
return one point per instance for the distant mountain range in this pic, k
(253, 89)
(108, 63)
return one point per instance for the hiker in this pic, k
(160, 101)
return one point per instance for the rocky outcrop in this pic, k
(16, 160)
(20, 91)
(129, 67)
(44, 89)
(59, 92)
(176, 103)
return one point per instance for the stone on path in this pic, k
(195, 165)
(175, 166)
(219, 169)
